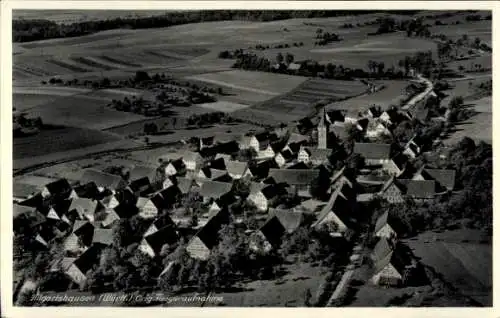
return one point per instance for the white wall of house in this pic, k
(387, 272)
(45, 192)
(191, 165)
(259, 200)
(152, 229)
(146, 249)
(149, 210)
(197, 249)
(266, 153)
(280, 161)
(386, 232)
(170, 170)
(393, 195)
(303, 156)
(392, 168)
(76, 275)
(167, 183)
(113, 203)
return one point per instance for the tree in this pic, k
(289, 58)
(279, 58)
(477, 42)
(456, 102)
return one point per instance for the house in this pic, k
(220, 161)
(392, 191)
(87, 190)
(149, 208)
(289, 219)
(207, 237)
(84, 230)
(268, 236)
(261, 169)
(122, 197)
(445, 177)
(152, 244)
(103, 237)
(265, 151)
(374, 154)
(185, 185)
(168, 197)
(249, 142)
(299, 179)
(284, 157)
(110, 218)
(376, 129)
(103, 180)
(58, 211)
(175, 167)
(237, 169)
(140, 172)
(79, 268)
(391, 266)
(60, 188)
(339, 131)
(208, 173)
(396, 165)
(68, 266)
(192, 160)
(140, 186)
(336, 216)
(262, 194)
(294, 142)
(159, 223)
(412, 149)
(83, 208)
(214, 190)
(22, 191)
(383, 228)
(314, 156)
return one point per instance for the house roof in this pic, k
(273, 230)
(381, 249)
(102, 179)
(400, 160)
(418, 188)
(214, 189)
(60, 186)
(289, 219)
(373, 150)
(381, 221)
(297, 138)
(222, 156)
(24, 190)
(184, 184)
(61, 207)
(446, 177)
(83, 205)
(87, 190)
(313, 205)
(288, 155)
(338, 205)
(396, 257)
(318, 154)
(208, 234)
(26, 217)
(192, 156)
(21, 209)
(236, 167)
(103, 236)
(125, 197)
(294, 176)
(297, 166)
(139, 172)
(125, 211)
(165, 235)
(178, 164)
(141, 184)
(88, 258)
(162, 221)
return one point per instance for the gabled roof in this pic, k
(236, 167)
(125, 197)
(445, 177)
(381, 250)
(162, 221)
(125, 211)
(214, 189)
(87, 190)
(24, 190)
(298, 166)
(294, 176)
(61, 207)
(165, 235)
(316, 154)
(139, 172)
(192, 156)
(419, 188)
(289, 219)
(88, 258)
(208, 234)
(297, 138)
(373, 150)
(273, 190)
(102, 179)
(273, 230)
(381, 221)
(184, 184)
(338, 205)
(83, 205)
(18, 210)
(400, 160)
(397, 258)
(103, 236)
(222, 156)
(60, 186)
(140, 185)
(178, 164)
(288, 155)
(26, 217)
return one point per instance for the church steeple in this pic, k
(323, 130)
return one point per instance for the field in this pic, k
(69, 16)
(465, 265)
(299, 102)
(82, 111)
(390, 95)
(480, 29)
(58, 139)
(222, 106)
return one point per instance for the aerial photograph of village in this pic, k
(252, 158)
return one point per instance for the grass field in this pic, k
(56, 140)
(82, 111)
(390, 95)
(465, 265)
(222, 106)
(480, 29)
(26, 101)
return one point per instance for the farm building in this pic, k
(103, 180)
(299, 179)
(295, 141)
(419, 190)
(374, 154)
(122, 197)
(78, 269)
(392, 267)
(140, 186)
(149, 207)
(337, 216)
(58, 211)
(206, 238)
(445, 177)
(313, 156)
(262, 194)
(220, 161)
(383, 228)
(192, 160)
(26, 218)
(284, 157)
(60, 188)
(152, 244)
(376, 129)
(175, 167)
(159, 223)
(261, 169)
(237, 169)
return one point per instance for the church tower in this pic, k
(323, 131)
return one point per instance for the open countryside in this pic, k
(269, 158)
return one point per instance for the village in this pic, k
(320, 175)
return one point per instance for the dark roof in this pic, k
(288, 155)
(273, 190)
(125, 197)
(289, 219)
(60, 186)
(298, 166)
(273, 230)
(397, 258)
(162, 221)
(125, 211)
(400, 160)
(372, 150)
(420, 188)
(261, 170)
(169, 195)
(90, 257)
(444, 176)
(318, 154)
(214, 189)
(102, 179)
(140, 185)
(88, 190)
(165, 235)
(294, 176)
(208, 234)
(26, 218)
(24, 190)
(139, 172)
(61, 207)
(340, 207)
(178, 164)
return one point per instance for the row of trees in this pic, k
(33, 30)
(325, 37)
